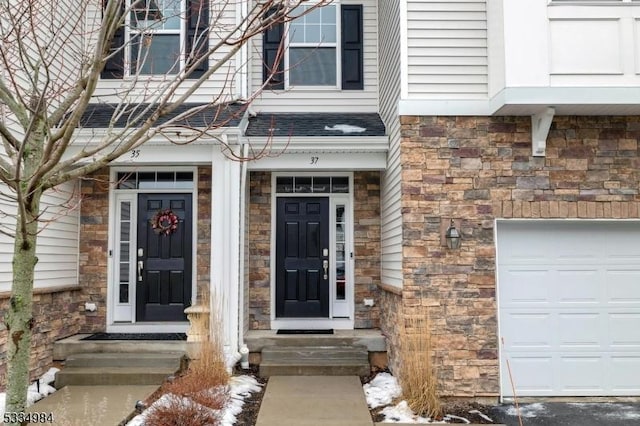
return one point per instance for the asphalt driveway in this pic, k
(569, 414)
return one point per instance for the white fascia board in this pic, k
(309, 162)
(570, 95)
(533, 97)
(93, 136)
(322, 143)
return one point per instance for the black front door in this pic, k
(163, 288)
(302, 244)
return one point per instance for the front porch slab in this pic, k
(372, 339)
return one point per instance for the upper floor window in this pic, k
(155, 31)
(312, 53)
(160, 37)
(324, 48)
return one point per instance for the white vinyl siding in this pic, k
(57, 245)
(222, 82)
(325, 99)
(391, 218)
(447, 49)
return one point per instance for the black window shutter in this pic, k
(273, 67)
(197, 32)
(114, 67)
(352, 48)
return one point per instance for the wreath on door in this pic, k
(164, 222)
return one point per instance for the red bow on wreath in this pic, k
(165, 222)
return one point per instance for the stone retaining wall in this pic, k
(57, 314)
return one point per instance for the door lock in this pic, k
(325, 266)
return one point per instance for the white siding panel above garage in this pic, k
(569, 306)
(447, 49)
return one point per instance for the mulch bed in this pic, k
(454, 407)
(249, 414)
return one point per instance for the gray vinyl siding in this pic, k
(57, 247)
(390, 74)
(325, 99)
(447, 49)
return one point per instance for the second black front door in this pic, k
(302, 257)
(164, 257)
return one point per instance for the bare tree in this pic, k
(52, 55)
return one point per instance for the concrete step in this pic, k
(171, 360)
(64, 348)
(92, 376)
(372, 339)
(314, 361)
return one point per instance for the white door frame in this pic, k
(117, 321)
(345, 322)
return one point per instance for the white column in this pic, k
(225, 228)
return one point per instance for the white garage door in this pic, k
(569, 306)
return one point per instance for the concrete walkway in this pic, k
(92, 405)
(314, 400)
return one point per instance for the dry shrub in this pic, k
(417, 375)
(180, 412)
(196, 396)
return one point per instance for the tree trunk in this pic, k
(19, 316)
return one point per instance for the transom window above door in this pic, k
(312, 185)
(154, 180)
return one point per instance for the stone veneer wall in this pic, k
(476, 169)
(94, 224)
(57, 314)
(94, 233)
(366, 248)
(390, 302)
(203, 248)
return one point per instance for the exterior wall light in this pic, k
(452, 237)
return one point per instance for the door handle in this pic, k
(140, 268)
(325, 266)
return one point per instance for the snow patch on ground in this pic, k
(35, 392)
(625, 412)
(382, 390)
(345, 128)
(239, 388)
(401, 413)
(528, 410)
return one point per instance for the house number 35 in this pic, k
(135, 153)
(314, 160)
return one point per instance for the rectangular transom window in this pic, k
(154, 180)
(312, 185)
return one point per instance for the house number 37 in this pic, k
(314, 160)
